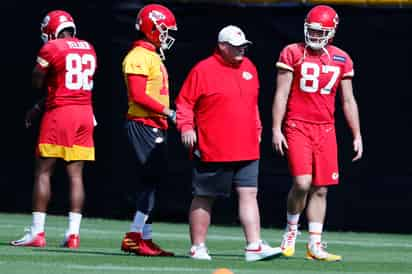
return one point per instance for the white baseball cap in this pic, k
(233, 35)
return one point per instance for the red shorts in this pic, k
(67, 132)
(312, 151)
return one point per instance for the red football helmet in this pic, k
(320, 26)
(54, 22)
(155, 21)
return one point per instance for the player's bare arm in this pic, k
(38, 77)
(351, 112)
(284, 82)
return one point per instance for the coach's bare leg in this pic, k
(249, 213)
(316, 209)
(298, 194)
(41, 191)
(199, 218)
(75, 173)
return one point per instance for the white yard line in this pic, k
(109, 267)
(142, 269)
(139, 268)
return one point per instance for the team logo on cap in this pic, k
(247, 75)
(62, 19)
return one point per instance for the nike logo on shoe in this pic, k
(259, 249)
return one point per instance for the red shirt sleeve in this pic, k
(137, 88)
(46, 56)
(258, 121)
(286, 59)
(186, 101)
(348, 68)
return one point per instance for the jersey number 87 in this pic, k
(310, 72)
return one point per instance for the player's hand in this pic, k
(189, 138)
(31, 115)
(358, 148)
(279, 143)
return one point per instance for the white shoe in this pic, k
(199, 252)
(262, 252)
(288, 243)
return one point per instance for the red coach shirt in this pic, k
(70, 64)
(220, 102)
(315, 81)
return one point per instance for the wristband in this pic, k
(37, 107)
(172, 115)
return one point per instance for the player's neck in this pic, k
(150, 42)
(64, 35)
(316, 52)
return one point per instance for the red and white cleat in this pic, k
(31, 240)
(262, 252)
(131, 242)
(151, 249)
(288, 243)
(71, 241)
(199, 252)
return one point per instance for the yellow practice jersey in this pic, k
(142, 59)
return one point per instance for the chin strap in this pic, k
(162, 54)
(327, 53)
(323, 49)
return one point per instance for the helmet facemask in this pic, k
(154, 22)
(44, 36)
(166, 41)
(316, 36)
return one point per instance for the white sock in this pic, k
(293, 220)
(315, 232)
(138, 222)
(39, 218)
(254, 245)
(74, 223)
(147, 232)
(199, 245)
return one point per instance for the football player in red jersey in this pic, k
(309, 75)
(65, 68)
(147, 86)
